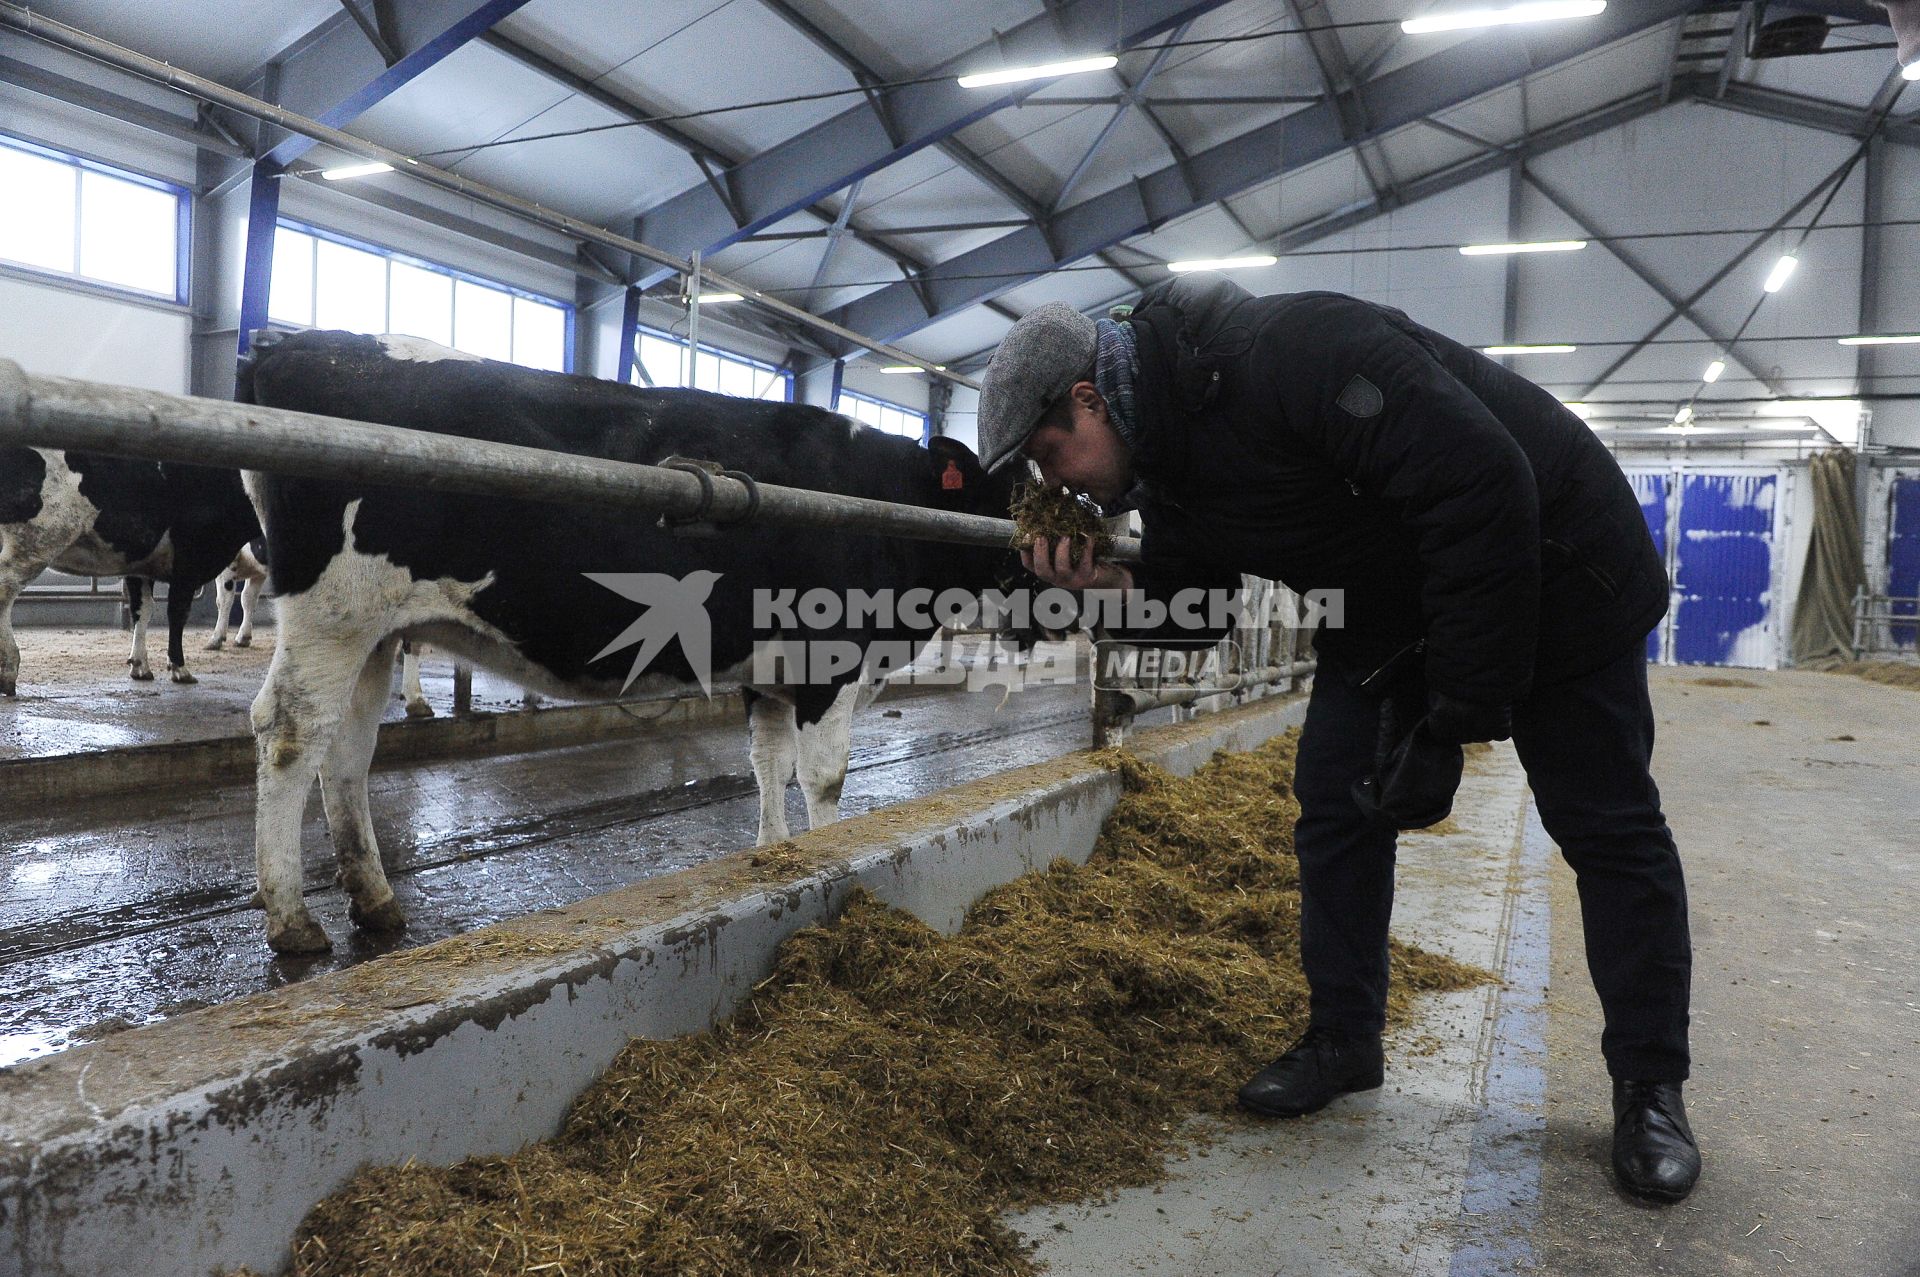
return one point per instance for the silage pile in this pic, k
(887, 1092)
(1892, 673)
(1054, 513)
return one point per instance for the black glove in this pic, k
(1457, 722)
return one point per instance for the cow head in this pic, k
(963, 485)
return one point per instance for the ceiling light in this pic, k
(1545, 246)
(355, 170)
(1530, 350)
(704, 298)
(1048, 71)
(1714, 369)
(1888, 339)
(1584, 411)
(1684, 416)
(1221, 263)
(1781, 273)
(1911, 71)
(900, 368)
(1467, 19)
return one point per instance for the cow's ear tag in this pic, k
(951, 480)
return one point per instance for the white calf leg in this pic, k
(10, 587)
(410, 690)
(772, 751)
(822, 749)
(222, 605)
(343, 792)
(295, 719)
(140, 603)
(249, 595)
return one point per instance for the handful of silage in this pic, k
(1039, 512)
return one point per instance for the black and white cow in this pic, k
(243, 577)
(93, 515)
(504, 584)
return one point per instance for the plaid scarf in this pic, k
(1115, 366)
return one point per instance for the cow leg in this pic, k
(295, 718)
(139, 592)
(822, 748)
(11, 583)
(343, 793)
(179, 603)
(773, 748)
(222, 606)
(249, 595)
(410, 690)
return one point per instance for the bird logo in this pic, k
(676, 607)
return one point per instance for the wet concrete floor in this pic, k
(122, 910)
(75, 694)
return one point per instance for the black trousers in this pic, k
(1586, 746)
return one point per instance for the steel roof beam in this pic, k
(49, 84)
(897, 122)
(1466, 71)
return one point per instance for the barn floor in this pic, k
(1794, 801)
(75, 695)
(125, 909)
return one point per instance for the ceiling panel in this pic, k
(223, 39)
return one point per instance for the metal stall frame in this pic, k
(60, 412)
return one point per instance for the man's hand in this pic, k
(1457, 722)
(1052, 559)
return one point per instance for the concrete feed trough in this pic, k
(202, 1141)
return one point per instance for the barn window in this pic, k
(69, 216)
(890, 417)
(660, 359)
(321, 280)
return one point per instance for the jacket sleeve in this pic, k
(1371, 395)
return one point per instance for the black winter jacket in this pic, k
(1334, 444)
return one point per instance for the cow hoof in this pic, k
(180, 675)
(245, 640)
(301, 935)
(256, 900)
(141, 672)
(7, 687)
(214, 645)
(385, 916)
(419, 709)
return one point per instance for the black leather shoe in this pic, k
(1654, 1153)
(1323, 1065)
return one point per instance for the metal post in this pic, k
(462, 689)
(693, 319)
(263, 219)
(1859, 616)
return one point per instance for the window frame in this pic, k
(925, 418)
(661, 334)
(182, 294)
(392, 255)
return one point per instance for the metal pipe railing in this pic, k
(61, 412)
(60, 35)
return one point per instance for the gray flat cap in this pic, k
(1039, 360)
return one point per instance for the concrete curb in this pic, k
(202, 1141)
(228, 759)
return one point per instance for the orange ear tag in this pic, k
(951, 479)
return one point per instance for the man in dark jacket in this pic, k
(1498, 580)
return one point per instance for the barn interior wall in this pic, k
(65, 329)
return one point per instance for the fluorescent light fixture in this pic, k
(1045, 72)
(1221, 263)
(1840, 418)
(716, 298)
(1714, 369)
(1506, 15)
(1530, 350)
(1544, 246)
(1584, 411)
(1782, 272)
(1886, 339)
(900, 368)
(1911, 71)
(1684, 416)
(355, 170)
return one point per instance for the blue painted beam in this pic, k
(1471, 69)
(805, 169)
(340, 76)
(629, 336)
(256, 270)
